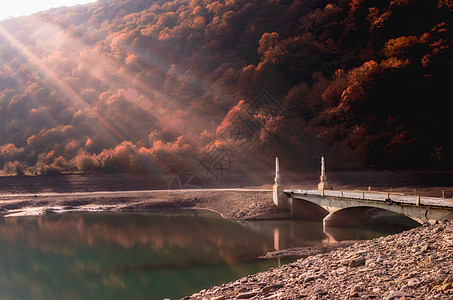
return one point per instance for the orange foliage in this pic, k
(239, 110)
(133, 85)
(10, 151)
(400, 45)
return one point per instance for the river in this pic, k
(144, 255)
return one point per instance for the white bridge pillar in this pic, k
(323, 184)
(279, 197)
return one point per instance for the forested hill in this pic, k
(218, 86)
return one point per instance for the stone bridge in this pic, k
(329, 202)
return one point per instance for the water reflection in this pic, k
(363, 223)
(135, 256)
(289, 233)
(138, 256)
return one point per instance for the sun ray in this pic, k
(118, 79)
(70, 95)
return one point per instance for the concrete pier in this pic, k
(279, 196)
(323, 184)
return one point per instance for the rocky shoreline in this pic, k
(415, 264)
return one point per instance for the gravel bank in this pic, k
(414, 264)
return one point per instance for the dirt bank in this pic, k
(229, 204)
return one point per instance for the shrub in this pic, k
(49, 170)
(14, 168)
(85, 163)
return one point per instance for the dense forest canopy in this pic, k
(220, 85)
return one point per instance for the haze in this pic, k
(27, 7)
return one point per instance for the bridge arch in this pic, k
(369, 215)
(307, 210)
(332, 205)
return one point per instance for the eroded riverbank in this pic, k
(414, 264)
(232, 204)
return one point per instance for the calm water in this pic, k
(142, 256)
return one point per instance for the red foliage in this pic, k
(87, 79)
(238, 111)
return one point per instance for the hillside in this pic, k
(177, 86)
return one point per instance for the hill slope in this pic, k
(173, 86)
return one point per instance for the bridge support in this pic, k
(279, 196)
(323, 184)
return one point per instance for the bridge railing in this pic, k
(378, 196)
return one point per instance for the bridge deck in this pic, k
(378, 196)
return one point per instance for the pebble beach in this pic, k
(415, 264)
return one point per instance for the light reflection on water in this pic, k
(137, 256)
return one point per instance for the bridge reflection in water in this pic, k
(362, 223)
(288, 237)
(348, 225)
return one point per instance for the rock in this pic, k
(246, 295)
(274, 296)
(272, 287)
(424, 248)
(356, 262)
(397, 294)
(218, 298)
(413, 282)
(310, 278)
(353, 294)
(448, 279)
